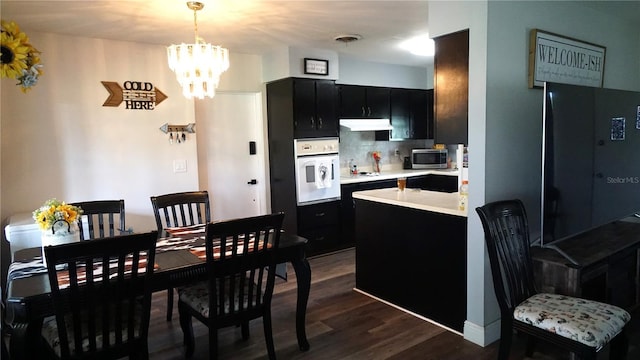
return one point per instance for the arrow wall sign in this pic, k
(136, 95)
(179, 131)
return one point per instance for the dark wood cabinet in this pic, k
(411, 115)
(414, 259)
(421, 103)
(348, 205)
(451, 83)
(307, 106)
(364, 102)
(433, 182)
(400, 115)
(314, 104)
(320, 224)
(280, 123)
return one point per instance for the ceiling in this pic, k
(253, 26)
(242, 26)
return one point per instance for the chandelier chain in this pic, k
(195, 23)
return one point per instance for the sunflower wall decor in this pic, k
(18, 58)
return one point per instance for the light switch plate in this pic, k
(179, 166)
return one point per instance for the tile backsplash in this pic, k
(359, 146)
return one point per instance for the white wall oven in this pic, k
(317, 170)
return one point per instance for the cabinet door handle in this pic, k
(319, 123)
(369, 111)
(362, 110)
(313, 122)
(320, 214)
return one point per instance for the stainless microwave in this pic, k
(429, 158)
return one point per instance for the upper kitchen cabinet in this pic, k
(411, 115)
(308, 106)
(451, 82)
(421, 102)
(364, 102)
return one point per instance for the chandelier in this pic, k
(198, 66)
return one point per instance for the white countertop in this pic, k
(393, 174)
(434, 201)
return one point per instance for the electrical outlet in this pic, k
(397, 152)
(179, 166)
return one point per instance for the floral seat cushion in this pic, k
(196, 296)
(589, 322)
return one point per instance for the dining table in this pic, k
(177, 263)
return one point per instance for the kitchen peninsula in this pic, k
(411, 252)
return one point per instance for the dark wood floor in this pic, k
(341, 324)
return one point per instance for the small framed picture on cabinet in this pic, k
(316, 66)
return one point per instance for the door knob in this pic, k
(252, 182)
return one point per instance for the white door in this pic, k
(226, 126)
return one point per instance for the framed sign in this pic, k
(316, 66)
(564, 60)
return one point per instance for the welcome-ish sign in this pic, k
(564, 60)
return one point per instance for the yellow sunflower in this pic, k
(13, 56)
(12, 28)
(18, 59)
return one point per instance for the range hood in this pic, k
(366, 124)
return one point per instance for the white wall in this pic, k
(288, 62)
(357, 72)
(59, 141)
(514, 112)
(444, 18)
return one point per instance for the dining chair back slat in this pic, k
(181, 209)
(101, 217)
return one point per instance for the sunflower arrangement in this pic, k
(54, 210)
(18, 58)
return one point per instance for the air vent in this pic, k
(347, 38)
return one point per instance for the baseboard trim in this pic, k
(482, 335)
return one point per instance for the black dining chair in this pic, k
(101, 217)
(3, 331)
(581, 326)
(101, 294)
(240, 263)
(178, 210)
